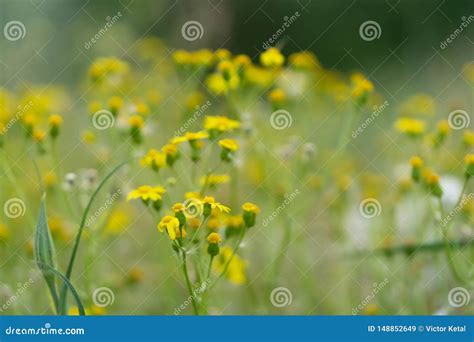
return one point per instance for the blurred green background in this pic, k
(411, 34)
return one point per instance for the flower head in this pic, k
(170, 224)
(272, 58)
(146, 193)
(411, 127)
(469, 161)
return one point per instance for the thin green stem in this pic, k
(188, 282)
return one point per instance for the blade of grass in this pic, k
(44, 251)
(62, 298)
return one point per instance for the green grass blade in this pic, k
(63, 296)
(44, 251)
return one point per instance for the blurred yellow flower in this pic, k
(412, 127)
(272, 57)
(146, 192)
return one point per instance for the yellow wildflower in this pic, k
(170, 224)
(272, 57)
(146, 192)
(412, 127)
(229, 144)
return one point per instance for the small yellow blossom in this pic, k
(211, 202)
(220, 124)
(214, 238)
(250, 207)
(146, 192)
(277, 96)
(55, 120)
(170, 224)
(136, 121)
(272, 58)
(412, 127)
(229, 144)
(4, 233)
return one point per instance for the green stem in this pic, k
(449, 255)
(188, 283)
(226, 266)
